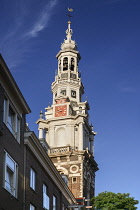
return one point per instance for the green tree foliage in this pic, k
(113, 201)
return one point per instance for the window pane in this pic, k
(46, 199)
(11, 121)
(32, 207)
(32, 178)
(10, 163)
(9, 180)
(54, 203)
(5, 107)
(18, 129)
(44, 189)
(11, 175)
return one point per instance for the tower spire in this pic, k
(69, 32)
(68, 42)
(66, 122)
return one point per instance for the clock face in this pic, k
(73, 93)
(60, 111)
(63, 92)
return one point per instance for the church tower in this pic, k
(66, 125)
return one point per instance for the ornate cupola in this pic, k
(67, 81)
(66, 126)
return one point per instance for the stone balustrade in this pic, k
(60, 149)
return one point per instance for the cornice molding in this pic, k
(70, 117)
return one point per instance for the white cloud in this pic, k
(43, 20)
(15, 43)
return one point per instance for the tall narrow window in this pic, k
(46, 199)
(17, 129)
(32, 178)
(11, 119)
(5, 110)
(32, 207)
(72, 64)
(60, 65)
(54, 202)
(65, 64)
(11, 175)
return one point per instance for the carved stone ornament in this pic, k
(74, 169)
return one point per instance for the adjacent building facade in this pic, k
(12, 125)
(66, 126)
(28, 178)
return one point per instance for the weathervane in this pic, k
(69, 15)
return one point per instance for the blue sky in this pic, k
(108, 36)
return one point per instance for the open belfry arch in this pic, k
(66, 125)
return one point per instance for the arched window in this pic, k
(65, 64)
(60, 65)
(61, 137)
(72, 64)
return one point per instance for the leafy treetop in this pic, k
(113, 201)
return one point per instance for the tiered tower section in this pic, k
(66, 126)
